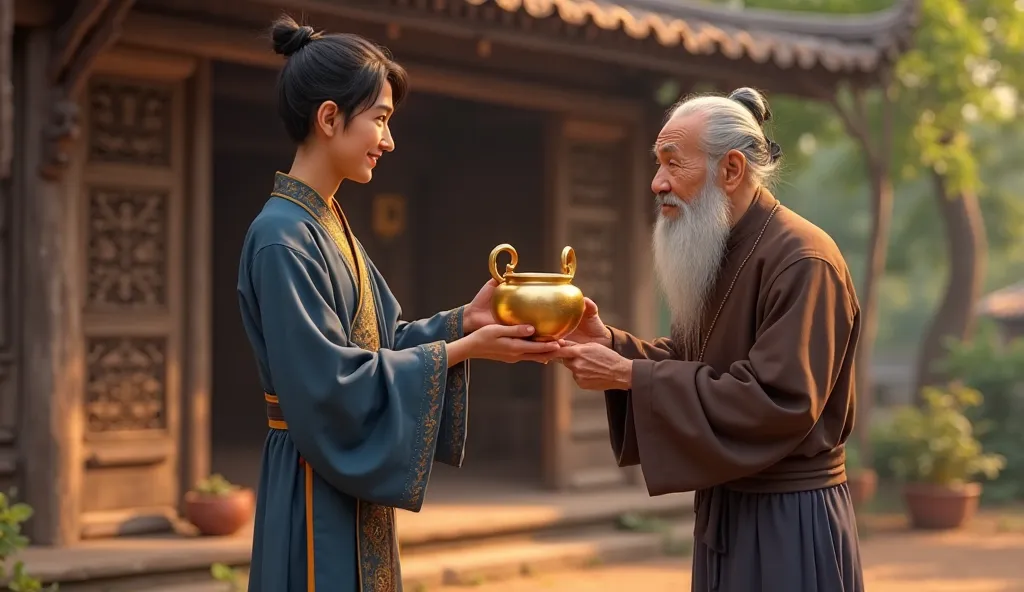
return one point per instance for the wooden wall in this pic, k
(118, 318)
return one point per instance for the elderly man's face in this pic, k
(682, 166)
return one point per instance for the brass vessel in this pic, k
(547, 301)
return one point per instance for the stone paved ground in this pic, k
(987, 557)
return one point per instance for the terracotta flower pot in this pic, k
(862, 483)
(936, 507)
(220, 515)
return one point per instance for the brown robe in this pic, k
(757, 425)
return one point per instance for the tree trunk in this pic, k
(877, 157)
(967, 249)
(878, 246)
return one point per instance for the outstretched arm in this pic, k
(367, 422)
(691, 427)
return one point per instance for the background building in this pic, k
(147, 140)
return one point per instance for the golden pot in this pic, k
(547, 301)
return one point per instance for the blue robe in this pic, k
(359, 403)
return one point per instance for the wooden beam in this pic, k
(103, 36)
(91, 29)
(220, 43)
(71, 34)
(52, 371)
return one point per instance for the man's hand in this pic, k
(591, 329)
(596, 367)
(501, 344)
(478, 312)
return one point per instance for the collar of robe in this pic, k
(753, 219)
(298, 190)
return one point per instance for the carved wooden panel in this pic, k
(127, 247)
(130, 123)
(126, 383)
(131, 208)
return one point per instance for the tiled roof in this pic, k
(836, 42)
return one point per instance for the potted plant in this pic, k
(938, 457)
(218, 507)
(862, 481)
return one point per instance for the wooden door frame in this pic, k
(208, 42)
(183, 378)
(196, 296)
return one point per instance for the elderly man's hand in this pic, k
(595, 367)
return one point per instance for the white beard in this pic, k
(688, 252)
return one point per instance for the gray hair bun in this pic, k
(755, 102)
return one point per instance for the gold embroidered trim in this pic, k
(453, 324)
(429, 427)
(376, 542)
(376, 539)
(458, 382)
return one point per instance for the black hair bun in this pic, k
(755, 102)
(289, 36)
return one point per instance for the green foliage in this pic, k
(228, 575)
(954, 112)
(854, 462)
(12, 516)
(936, 443)
(954, 78)
(997, 370)
(215, 484)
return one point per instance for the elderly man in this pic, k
(751, 400)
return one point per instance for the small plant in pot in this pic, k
(217, 507)
(862, 481)
(938, 457)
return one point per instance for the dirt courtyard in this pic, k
(986, 557)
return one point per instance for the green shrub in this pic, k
(12, 542)
(936, 444)
(997, 371)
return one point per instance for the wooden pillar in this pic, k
(196, 435)
(52, 356)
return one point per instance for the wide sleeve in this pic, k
(621, 428)
(367, 422)
(696, 428)
(444, 326)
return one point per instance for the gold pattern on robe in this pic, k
(376, 538)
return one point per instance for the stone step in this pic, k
(516, 557)
(529, 556)
(459, 527)
(458, 523)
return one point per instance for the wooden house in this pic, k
(139, 139)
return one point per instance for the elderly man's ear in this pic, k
(733, 170)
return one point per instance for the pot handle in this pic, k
(569, 262)
(492, 263)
